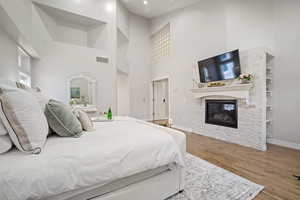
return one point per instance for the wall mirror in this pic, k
(82, 90)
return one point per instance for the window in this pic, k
(161, 44)
(24, 79)
(24, 71)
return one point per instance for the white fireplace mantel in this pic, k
(236, 91)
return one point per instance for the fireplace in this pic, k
(222, 113)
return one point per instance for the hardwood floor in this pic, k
(274, 168)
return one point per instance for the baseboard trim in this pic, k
(269, 141)
(147, 120)
(284, 143)
(182, 128)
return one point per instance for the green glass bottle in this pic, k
(109, 114)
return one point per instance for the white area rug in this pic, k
(205, 181)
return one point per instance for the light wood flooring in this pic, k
(273, 168)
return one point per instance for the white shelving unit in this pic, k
(269, 82)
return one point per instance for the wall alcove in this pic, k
(66, 27)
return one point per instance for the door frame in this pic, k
(169, 96)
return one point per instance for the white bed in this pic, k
(126, 159)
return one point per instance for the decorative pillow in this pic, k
(3, 130)
(24, 119)
(85, 121)
(61, 119)
(5, 144)
(41, 98)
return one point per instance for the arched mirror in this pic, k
(82, 90)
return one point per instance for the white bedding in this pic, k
(115, 150)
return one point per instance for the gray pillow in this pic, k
(61, 119)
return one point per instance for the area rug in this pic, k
(205, 181)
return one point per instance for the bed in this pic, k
(126, 159)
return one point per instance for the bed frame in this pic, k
(158, 187)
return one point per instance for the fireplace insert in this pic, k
(222, 113)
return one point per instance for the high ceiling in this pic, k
(155, 8)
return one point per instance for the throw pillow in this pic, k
(61, 119)
(24, 119)
(85, 121)
(5, 144)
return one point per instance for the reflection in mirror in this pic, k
(82, 90)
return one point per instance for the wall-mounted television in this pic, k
(222, 67)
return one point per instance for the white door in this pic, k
(161, 99)
(123, 94)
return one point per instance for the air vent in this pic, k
(102, 59)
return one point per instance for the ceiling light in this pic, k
(145, 2)
(109, 7)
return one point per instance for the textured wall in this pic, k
(251, 119)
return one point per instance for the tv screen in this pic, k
(222, 67)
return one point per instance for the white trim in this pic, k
(283, 143)
(182, 128)
(160, 78)
(147, 120)
(169, 88)
(92, 86)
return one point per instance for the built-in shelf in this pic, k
(269, 81)
(237, 91)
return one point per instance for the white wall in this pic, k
(122, 19)
(123, 94)
(19, 15)
(122, 52)
(286, 95)
(191, 40)
(60, 61)
(249, 24)
(89, 8)
(139, 62)
(211, 27)
(71, 34)
(8, 57)
(71, 55)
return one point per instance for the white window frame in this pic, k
(24, 76)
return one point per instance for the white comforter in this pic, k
(115, 150)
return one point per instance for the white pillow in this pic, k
(41, 98)
(24, 119)
(85, 121)
(3, 130)
(5, 144)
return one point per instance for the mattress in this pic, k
(116, 150)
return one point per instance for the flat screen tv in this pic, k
(222, 67)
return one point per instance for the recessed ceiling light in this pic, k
(145, 2)
(109, 7)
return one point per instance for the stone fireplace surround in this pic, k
(251, 102)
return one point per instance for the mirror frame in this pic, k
(92, 86)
